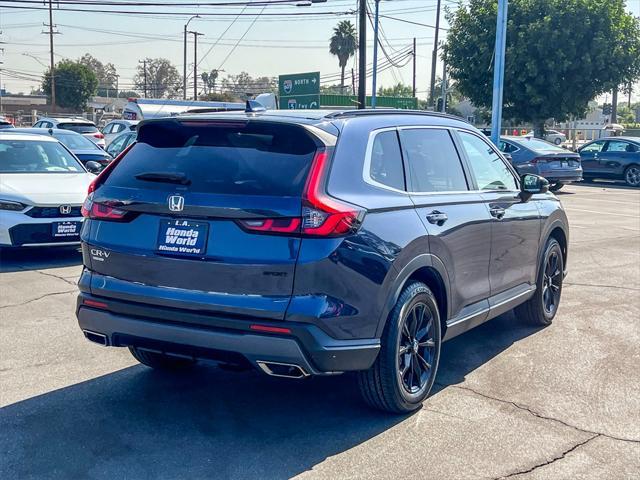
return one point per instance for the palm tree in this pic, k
(343, 45)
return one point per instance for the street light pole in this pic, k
(184, 59)
(375, 56)
(434, 60)
(362, 55)
(195, 64)
(498, 71)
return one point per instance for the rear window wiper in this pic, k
(164, 177)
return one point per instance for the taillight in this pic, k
(272, 225)
(101, 211)
(105, 171)
(322, 215)
(538, 160)
(98, 135)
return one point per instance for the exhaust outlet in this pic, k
(286, 370)
(96, 337)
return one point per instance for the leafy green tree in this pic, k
(398, 90)
(209, 80)
(105, 73)
(243, 84)
(559, 54)
(161, 78)
(343, 44)
(75, 84)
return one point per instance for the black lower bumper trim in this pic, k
(308, 346)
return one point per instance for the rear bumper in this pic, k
(222, 338)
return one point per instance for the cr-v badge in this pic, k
(176, 203)
(99, 255)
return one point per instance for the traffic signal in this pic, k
(606, 109)
(439, 105)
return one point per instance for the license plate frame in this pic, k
(187, 239)
(67, 231)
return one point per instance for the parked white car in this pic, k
(116, 127)
(78, 125)
(42, 188)
(552, 136)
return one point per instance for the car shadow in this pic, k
(20, 259)
(207, 422)
(616, 184)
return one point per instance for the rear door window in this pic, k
(386, 160)
(433, 161)
(619, 146)
(230, 157)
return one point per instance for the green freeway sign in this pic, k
(299, 90)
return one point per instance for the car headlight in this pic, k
(11, 205)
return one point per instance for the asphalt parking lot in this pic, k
(510, 401)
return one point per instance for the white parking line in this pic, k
(602, 213)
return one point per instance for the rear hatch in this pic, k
(203, 215)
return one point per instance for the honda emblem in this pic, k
(176, 203)
(65, 209)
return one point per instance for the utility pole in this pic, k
(184, 58)
(195, 64)
(51, 61)
(362, 55)
(498, 71)
(117, 78)
(353, 82)
(443, 108)
(414, 67)
(614, 105)
(434, 59)
(144, 67)
(375, 57)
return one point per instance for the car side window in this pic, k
(619, 146)
(507, 147)
(117, 128)
(107, 129)
(116, 146)
(489, 170)
(386, 160)
(130, 139)
(433, 161)
(594, 147)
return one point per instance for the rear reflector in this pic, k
(94, 304)
(272, 225)
(268, 329)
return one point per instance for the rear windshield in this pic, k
(76, 142)
(29, 156)
(537, 144)
(239, 158)
(78, 127)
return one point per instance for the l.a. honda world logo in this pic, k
(176, 203)
(288, 86)
(65, 209)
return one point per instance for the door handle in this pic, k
(437, 218)
(497, 212)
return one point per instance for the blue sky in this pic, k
(269, 46)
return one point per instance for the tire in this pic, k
(556, 186)
(540, 309)
(557, 141)
(413, 326)
(160, 361)
(632, 175)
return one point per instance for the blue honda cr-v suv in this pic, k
(315, 243)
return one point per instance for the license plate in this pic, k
(65, 229)
(182, 237)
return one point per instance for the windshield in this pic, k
(537, 144)
(32, 156)
(76, 142)
(78, 127)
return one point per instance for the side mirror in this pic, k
(531, 184)
(93, 167)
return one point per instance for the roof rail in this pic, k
(389, 111)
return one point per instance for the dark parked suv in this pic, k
(315, 243)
